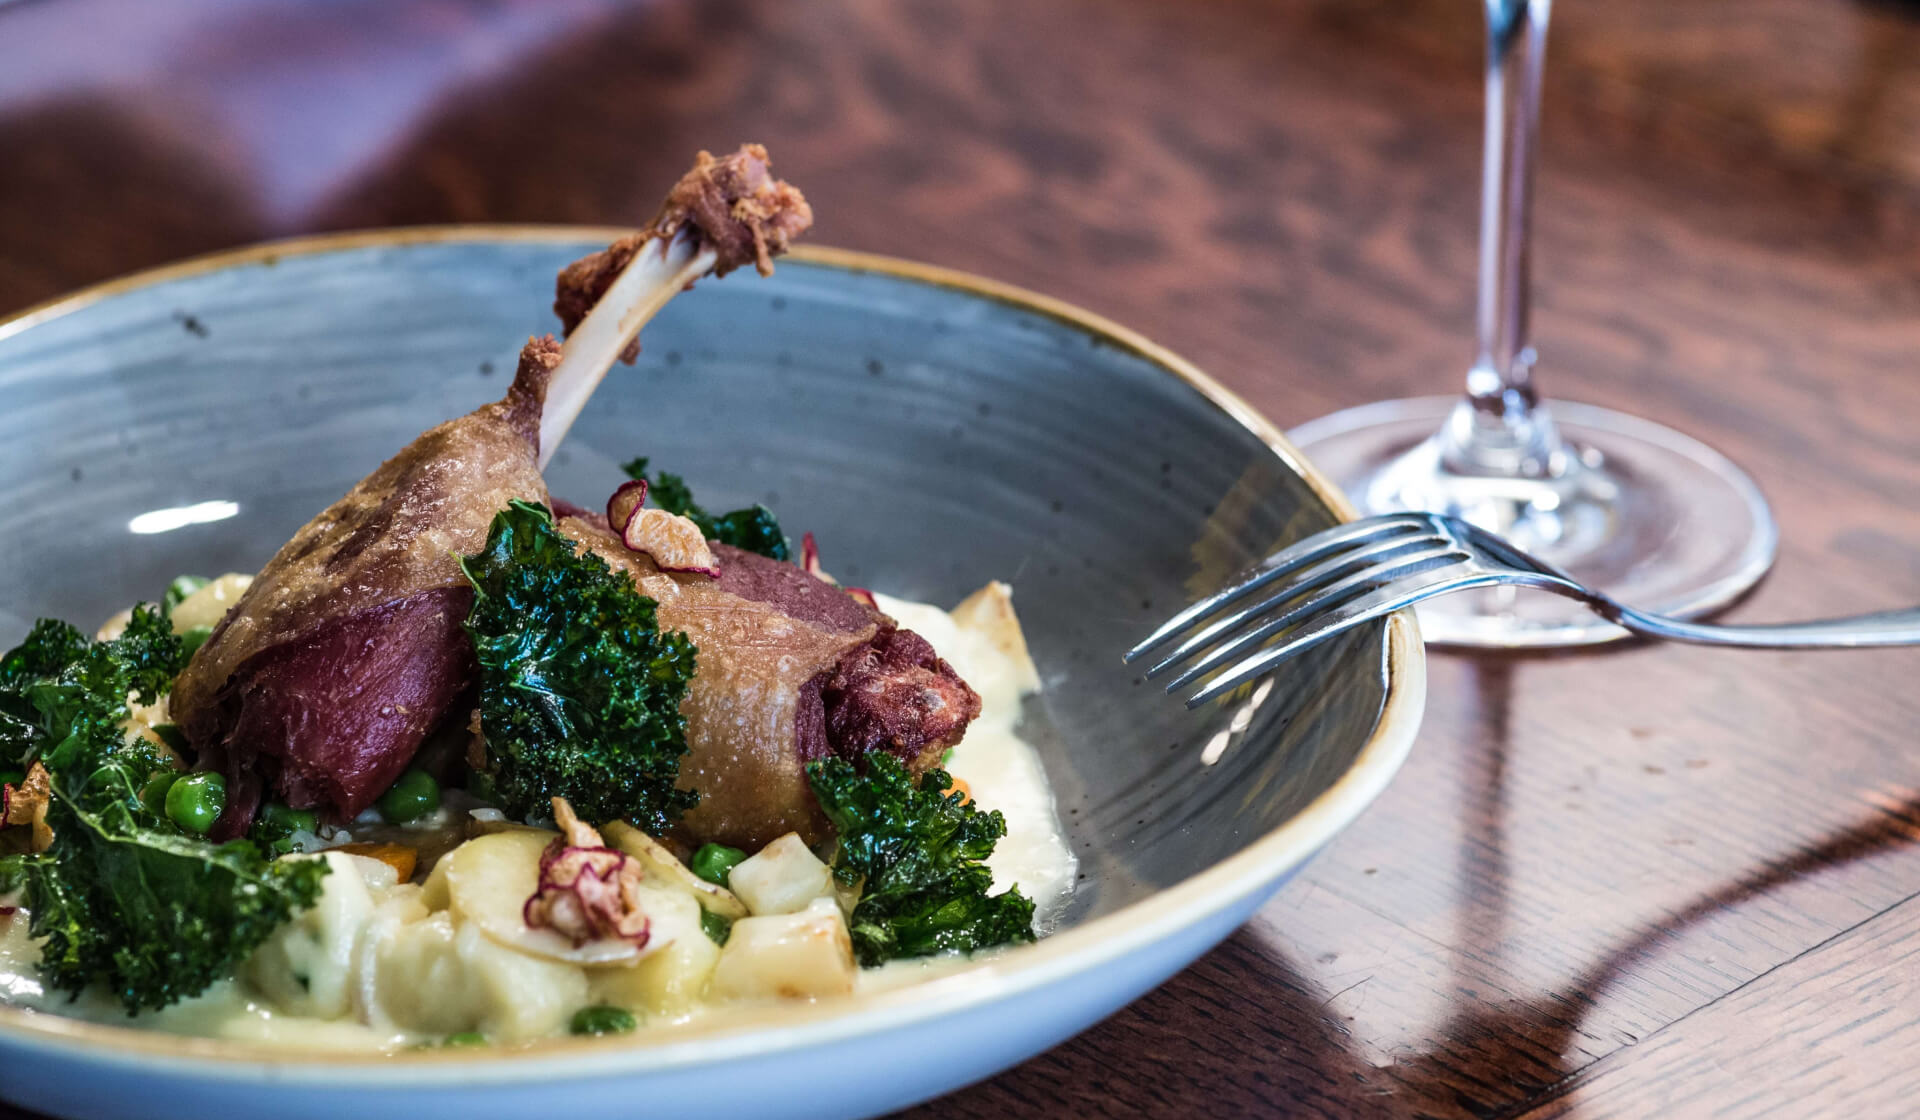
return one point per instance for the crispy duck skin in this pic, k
(790, 669)
(347, 649)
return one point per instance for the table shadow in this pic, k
(1248, 1033)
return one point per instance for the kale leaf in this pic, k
(124, 898)
(49, 647)
(753, 528)
(918, 855)
(580, 689)
(78, 690)
(156, 915)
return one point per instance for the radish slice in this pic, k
(494, 881)
(675, 543)
(587, 894)
(629, 497)
(810, 563)
(810, 557)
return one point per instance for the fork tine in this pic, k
(1373, 555)
(1375, 604)
(1339, 592)
(1289, 559)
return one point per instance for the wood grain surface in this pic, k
(1637, 882)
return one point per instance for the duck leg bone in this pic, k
(659, 270)
(322, 682)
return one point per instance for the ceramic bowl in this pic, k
(934, 431)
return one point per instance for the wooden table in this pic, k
(1646, 881)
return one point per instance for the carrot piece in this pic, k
(397, 856)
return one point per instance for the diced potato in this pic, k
(437, 976)
(114, 627)
(141, 721)
(781, 878)
(525, 997)
(669, 981)
(489, 880)
(418, 982)
(661, 864)
(787, 956)
(989, 613)
(390, 925)
(434, 893)
(207, 606)
(306, 966)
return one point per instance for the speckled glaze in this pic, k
(933, 430)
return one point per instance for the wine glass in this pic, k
(1651, 516)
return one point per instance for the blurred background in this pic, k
(1198, 140)
(1304, 170)
(1727, 238)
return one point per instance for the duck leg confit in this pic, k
(347, 651)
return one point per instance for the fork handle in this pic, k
(1860, 631)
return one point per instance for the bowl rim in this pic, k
(1081, 949)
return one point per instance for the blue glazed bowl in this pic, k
(934, 430)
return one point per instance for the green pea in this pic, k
(466, 1038)
(154, 794)
(195, 801)
(12, 777)
(193, 639)
(715, 862)
(277, 825)
(278, 820)
(172, 736)
(183, 586)
(602, 1019)
(717, 927)
(415, 795)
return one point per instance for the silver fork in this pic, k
(1354, 573)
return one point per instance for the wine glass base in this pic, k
(1655, 518)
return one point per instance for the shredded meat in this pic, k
(896, 695)
(734, 205)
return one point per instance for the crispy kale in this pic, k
(124, 898)
(579, 688)
(918, 855)
(77, 690)
(753, 528)
(49, 647)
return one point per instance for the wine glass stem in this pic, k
(1500, 428)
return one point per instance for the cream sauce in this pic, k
(1001, 769)
(982, 640)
